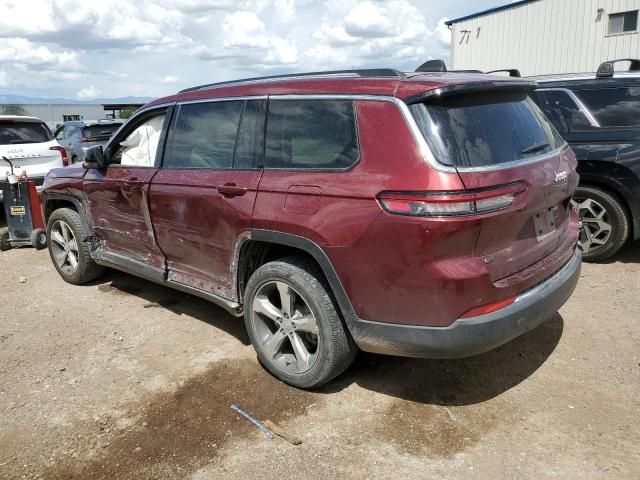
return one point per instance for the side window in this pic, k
(613, 107)
(250, 143)
(70, 131)
(139, 147)
(204, 135)
(59, 135)
(311, 134)
(550, 110)
(575, 118)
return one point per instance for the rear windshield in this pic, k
(479, 130)
(100, 131)
(12, 132)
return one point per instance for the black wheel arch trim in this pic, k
(47, 197)
(319, 255)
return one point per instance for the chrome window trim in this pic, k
(222, 99)
(423, 147)
(581, 106)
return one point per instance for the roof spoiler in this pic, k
(473, 87)
(513, 72)
(606, 69)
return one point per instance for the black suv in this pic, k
(599, 116)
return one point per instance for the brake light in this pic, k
(447, 204)
(63, 153)
(489, 307)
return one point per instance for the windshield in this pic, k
(477, 130)
(15, 132)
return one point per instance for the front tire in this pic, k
(604, 224)
(68, 248)
(293, 323)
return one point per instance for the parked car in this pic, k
(76, 136)
(366, 209)
(28, 144)
(599, 115)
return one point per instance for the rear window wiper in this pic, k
(536, 147)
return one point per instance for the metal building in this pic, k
(546, 36)
(54, 114)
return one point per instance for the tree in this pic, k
(127, 112)
(13, 110)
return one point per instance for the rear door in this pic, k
(500, 138)
(117, 197)
(203, 196)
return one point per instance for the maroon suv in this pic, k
(423, 215)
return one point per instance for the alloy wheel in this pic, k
(64, 247)
(595, 224)
(286, 328)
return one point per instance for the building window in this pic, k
(623, 22)
(71, 118)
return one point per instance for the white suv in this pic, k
(29, 145)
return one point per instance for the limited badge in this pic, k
(18, 210)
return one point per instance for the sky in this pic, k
(86, 49)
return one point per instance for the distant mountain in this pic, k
(20, 100)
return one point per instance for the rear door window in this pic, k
(573, 115)
(204, 135)
(13, 133)
(250, 144)
(311, 134)
(471, 130)
(613, 107)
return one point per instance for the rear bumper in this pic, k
(474, 335)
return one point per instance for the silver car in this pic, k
(75, 136)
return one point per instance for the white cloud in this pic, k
(4, 79)
(22, 51)
(88, 93)
(146, 47)
(443, 33)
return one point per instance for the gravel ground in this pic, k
(126, 379)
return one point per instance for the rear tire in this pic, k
(68, 248)
(5, 244)
(307, 343)
(604, 223)
(39, 239)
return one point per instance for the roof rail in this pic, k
(432, 66)
(365, 72)
(513, 72)
(606, 69)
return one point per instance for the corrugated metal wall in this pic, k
(52, 114)
(546, 36)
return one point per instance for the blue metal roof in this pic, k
(491, 10)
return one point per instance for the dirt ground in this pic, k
(101, 382)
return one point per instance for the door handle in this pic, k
(231, 190)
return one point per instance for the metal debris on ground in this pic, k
(264, 429)
(278, 430)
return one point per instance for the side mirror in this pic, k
(94, 158)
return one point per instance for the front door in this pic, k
(117, 197)
(202, 198)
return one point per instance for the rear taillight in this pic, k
(489, 307)
(447, 204)
(63, 153)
